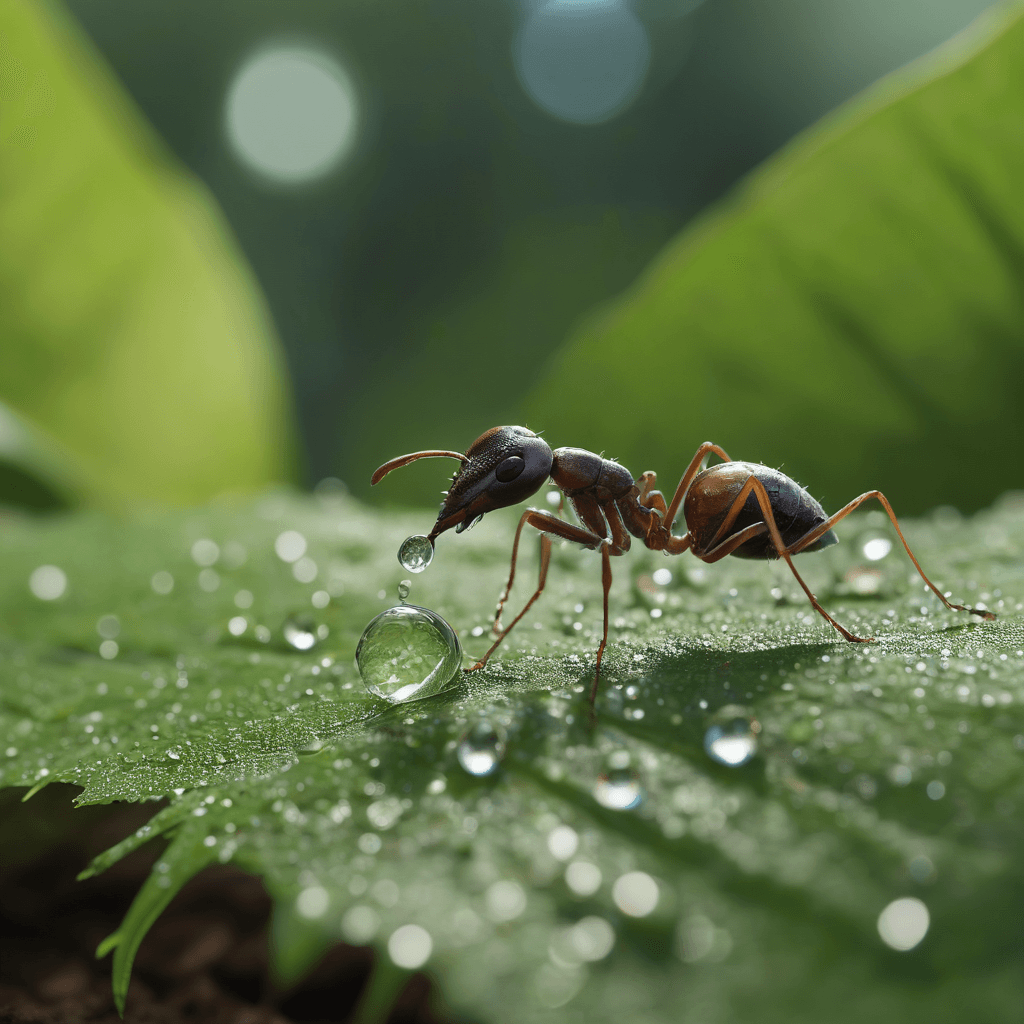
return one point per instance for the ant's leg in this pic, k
(677, 545)
(754, 485)
(691, 471)
(814, 534)
(606, 582)
(496, 628)
(648, 496)
(728, 546)
(542, 579)
(546, 523)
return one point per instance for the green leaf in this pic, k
(853, 311)
(882, 771)
(184, 857)
(132, 335)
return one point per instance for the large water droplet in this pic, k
(731, 738)
(300, 633)
(416, 553)
(482, 748)
(408, 653)
(619, 787)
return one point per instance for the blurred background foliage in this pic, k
(854, 313)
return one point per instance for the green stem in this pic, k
(382, 989)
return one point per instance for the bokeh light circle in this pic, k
(582, 60)
(904, 923)
(290, 114)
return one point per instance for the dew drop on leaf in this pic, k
(619, 787)
(481, 749)
(300, 634)
(408, 653)
(731, 739)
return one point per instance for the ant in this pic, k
(731, 508)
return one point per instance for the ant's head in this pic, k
(502, 467)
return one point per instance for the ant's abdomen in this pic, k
(713, 493)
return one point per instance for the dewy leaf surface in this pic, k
(853, 311)
(600, 874)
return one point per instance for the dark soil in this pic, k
(205, 961)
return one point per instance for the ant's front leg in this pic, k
(648, 496)
(548, 525)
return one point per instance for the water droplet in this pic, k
(563, 842)
(109, 627)
(410, 946)
(290, 546)
(505, 901)
(205, 552)
(731, 739)
(403, 589)
(481, 749)
(300, 634)
(619, 787)
(864, 581)
(162, 582)
(877, 548)
(48, 582)
(583, 878)
(312, 746)
(635, 893)
(416, 553)
(904, 923)
(312, 902)
(408, 653)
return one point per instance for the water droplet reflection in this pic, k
(416, 553)
(300, 634)
(408, 653)
(619, 787)
(403, 589)
(731, 739)
(481, 749)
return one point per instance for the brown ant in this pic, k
(732, 508)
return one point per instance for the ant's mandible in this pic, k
(731, 508)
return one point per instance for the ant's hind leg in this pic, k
(818, 531)
(731, 543)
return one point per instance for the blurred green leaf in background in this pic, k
(132, 336)
(854, 313)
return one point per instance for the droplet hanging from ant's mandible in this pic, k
(416, 553)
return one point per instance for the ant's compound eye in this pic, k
(510, 469)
